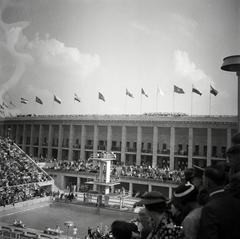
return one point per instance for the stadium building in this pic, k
(177, 141)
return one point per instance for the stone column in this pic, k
(209, 146)
(31, 139)
(71, 138)
(229, 136)
(95, 139)
(139, 144)
(123, 147)
(60, 142)
(40, 139)
(170, 192)
(83, 142)
(149, 188)
(49, 153)
(109, 138)
(172, 147)
(190, 147)
(155, 142)
(24, 138)
(17, 135)
(130, 192)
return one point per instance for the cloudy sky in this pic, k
(83, 47)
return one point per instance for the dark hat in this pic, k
(188, 173)
(185, 192)
(198, 172)
(235, 149)
(151, 198)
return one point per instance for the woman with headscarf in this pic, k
(162, 225)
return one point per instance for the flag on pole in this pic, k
(195, 90)
(1, 107)
(178, 90)
(143, 93)
(24, 101)
(39, 101)
(213, 91)
(77, 98)
(159, 91)
(57, 99)
(101, 97)
(5, 104)
(11, 103)
(129, 94)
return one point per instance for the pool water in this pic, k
(54, 214)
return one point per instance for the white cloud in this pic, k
(50, 52)
(185, 68)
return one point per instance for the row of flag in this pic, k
(55, 98)
(194, 90)
(176, 89)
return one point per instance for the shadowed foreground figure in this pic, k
(220, 215)
(121, 230)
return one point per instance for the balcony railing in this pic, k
(128, 149)
(115, 148)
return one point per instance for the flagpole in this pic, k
(98, 104)
(53, 107)
(191, 102)
(141, 102)
(73, 104)
(210, 104)
(125, 101)
(157, 101)
(173, 99)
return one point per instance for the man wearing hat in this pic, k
(233, 154)
(156, 207)
(197, 181)
(186, 195)
(220, 216)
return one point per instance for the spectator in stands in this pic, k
(235, 139)
(233, 154)
(186, 195)
(188, 175)
(197, 181)
(176, 212)
(220, 215)
(144, 225)
(121, 230)
(156, 207)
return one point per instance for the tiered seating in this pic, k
(19, 175)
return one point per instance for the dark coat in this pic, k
(220, 217)
(233, 188)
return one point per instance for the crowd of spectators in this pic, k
(19, 175)
(144, 171)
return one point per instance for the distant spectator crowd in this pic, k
(144, 171)
(19, 175)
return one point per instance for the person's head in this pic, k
(188, 175)
(233, 155)
(154, 202)
(197, 177)
(143, 217)
(121, 230)
(214, 178)
(176, 208)
(235, 138)
(185, 193)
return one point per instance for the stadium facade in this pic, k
(177, 141)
